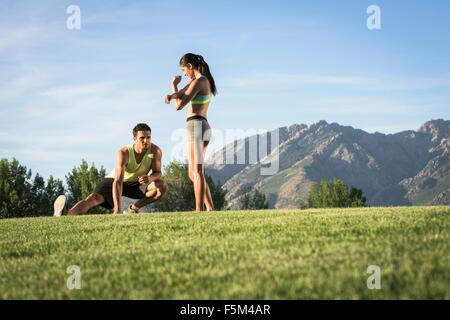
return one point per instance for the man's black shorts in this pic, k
(133, 190)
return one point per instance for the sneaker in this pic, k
(59, 205)
(130, 210)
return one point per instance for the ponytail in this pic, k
(204, 69)
(199, 63)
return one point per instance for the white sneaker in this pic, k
(59, 205)
(130, 210)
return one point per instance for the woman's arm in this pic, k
(176, 94)
(182, 99)
(176, 80)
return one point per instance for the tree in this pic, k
(217, 193)
(82, 181)
(340, 193)
(356, 198)
(252, 200)
(22, 196)
(15, 187)
(326, 195)
(44, 194)
(335, 194)
(314, 198)
(303, 204)
(181, 190)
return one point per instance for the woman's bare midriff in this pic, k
(198, 110)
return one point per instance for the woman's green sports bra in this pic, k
(201, 99)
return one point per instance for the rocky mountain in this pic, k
(406, 168)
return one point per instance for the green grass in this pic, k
(273, 254)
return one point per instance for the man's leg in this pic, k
(83, 206)
(155, 191)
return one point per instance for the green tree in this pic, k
(335, 194)
(15, 188)
(244, 202)
(22, 196)
(356, 198)
(314, 198)
(82, 180)
(339, 193)
(303, 204)
(326, 195)
(181, 190)
(217, 193)
(252, 200)
(44, 194)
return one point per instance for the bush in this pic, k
(335, 194)
(252, 200)
(22, 196)
(181, 190)
(82, 181)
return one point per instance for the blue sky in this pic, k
(72, 94)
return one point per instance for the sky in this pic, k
(72, 94)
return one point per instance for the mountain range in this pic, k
(405, 168)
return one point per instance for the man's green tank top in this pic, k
(134, 170)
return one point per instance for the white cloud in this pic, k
(279, 79)
(78, 91)
(26, 79)
(14, 38)
(65, 123)
(40, 154)
(102, 101)
(392, 83)
(271, 80)
(361, 106)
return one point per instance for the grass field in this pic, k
(272, 254)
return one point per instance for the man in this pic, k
(129, 178)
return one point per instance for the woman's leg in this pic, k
(208, 198)
(196, 174)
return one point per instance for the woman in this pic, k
(198, 93)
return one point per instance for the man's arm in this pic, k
(121, 161)
(156, 168)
